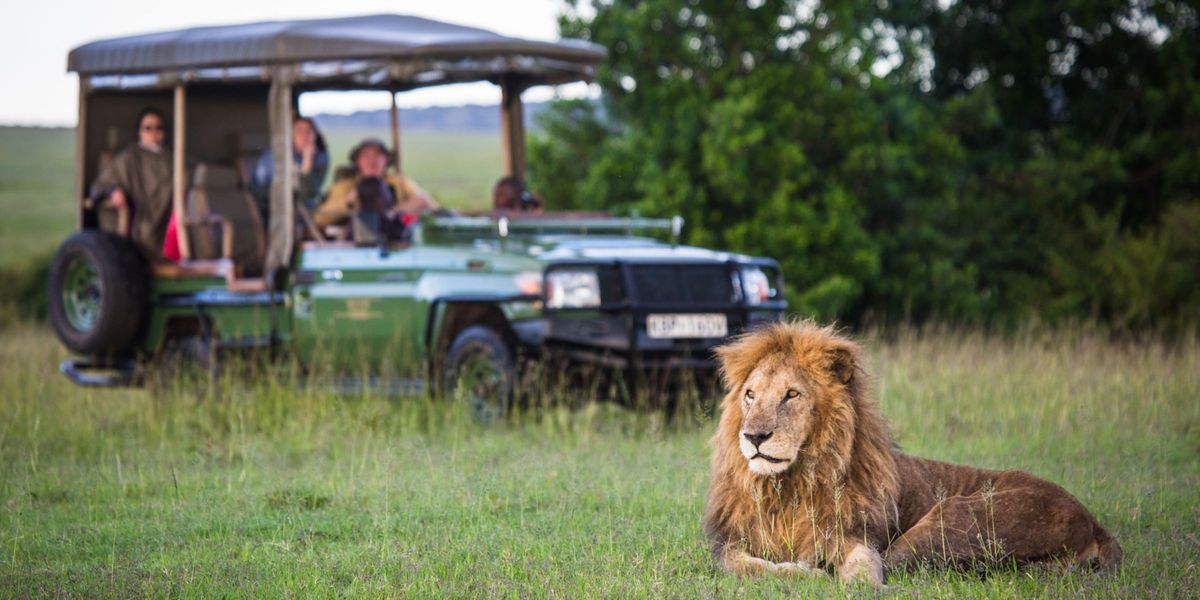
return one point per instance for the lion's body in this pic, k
(834, 492)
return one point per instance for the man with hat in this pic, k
(371, 159)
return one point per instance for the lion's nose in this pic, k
(757, 438)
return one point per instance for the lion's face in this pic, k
(791, 389)
(778, 413)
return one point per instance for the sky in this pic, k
(36, 35)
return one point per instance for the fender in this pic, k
(436, 315)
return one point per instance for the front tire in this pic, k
(479, 368)
(97, 293)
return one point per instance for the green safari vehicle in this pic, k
(462, 301)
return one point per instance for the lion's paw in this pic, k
(790, 568)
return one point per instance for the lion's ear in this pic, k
(728, 366)
(843, 362)
(736, 359)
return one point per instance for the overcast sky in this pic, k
(35, 36)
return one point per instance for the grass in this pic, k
(270, 485)
(265, 487)
(36, 179)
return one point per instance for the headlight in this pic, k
(529, 283)
(572, 289)
(756, 286)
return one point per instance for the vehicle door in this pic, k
(354, 311)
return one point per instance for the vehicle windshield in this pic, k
(452, 152)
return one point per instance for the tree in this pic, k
(901, 160)
(1099, 112)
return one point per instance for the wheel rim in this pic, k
(483, 385)
(82, 294)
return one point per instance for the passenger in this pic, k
(139, 178)
(510, 194)
(371, 159)
(311, 157)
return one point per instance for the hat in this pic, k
(370, 143)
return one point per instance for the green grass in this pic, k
(37, 177)
(263, 487)
(270, 485)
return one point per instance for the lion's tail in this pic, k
(1108, 558)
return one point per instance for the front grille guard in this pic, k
(632, 302)
(635, 312)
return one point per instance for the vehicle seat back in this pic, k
(248, 148)
(216, 198)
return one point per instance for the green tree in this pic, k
(1093, 164)
(982, 160)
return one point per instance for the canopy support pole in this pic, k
(512, 128)
(281, 232)
(178, 173)
(81, 154)
(396, 134)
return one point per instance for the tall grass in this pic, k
(267, 483)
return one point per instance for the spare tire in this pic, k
(97, 293)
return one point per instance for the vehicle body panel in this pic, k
(381, 310)
(182, 307)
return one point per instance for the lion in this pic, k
(806, 478)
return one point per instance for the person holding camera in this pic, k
(374, 192)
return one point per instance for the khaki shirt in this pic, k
(343, 199)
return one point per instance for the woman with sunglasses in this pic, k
(139, 178)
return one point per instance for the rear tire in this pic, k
(97, 293)
(479, 368)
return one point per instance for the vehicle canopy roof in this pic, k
(384, 51)
(232, 84)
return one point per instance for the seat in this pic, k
(248, 147)
(222, 220)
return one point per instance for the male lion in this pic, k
(805, 478)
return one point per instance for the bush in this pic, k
(23, 290)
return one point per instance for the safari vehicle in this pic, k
(464, 298)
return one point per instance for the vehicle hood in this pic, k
(625, 249)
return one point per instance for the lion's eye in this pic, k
(792, 394)
(749, 395)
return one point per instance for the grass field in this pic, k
(263, 487)
(36, 177)
(269, 485)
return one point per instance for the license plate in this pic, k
(687, 326)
